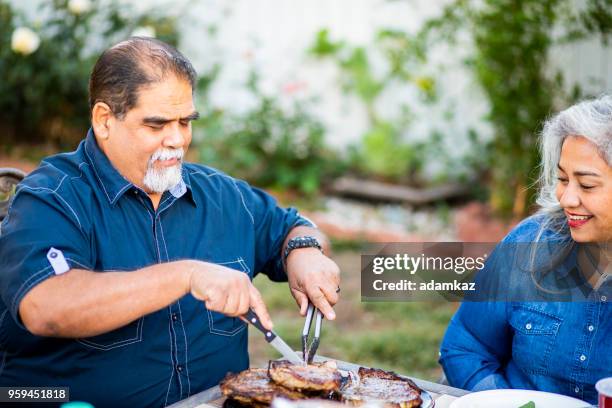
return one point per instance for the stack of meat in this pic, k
(258, 387)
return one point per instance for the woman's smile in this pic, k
(577, 220)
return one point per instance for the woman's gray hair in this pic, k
(591, 119)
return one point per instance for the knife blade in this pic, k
(274, 339)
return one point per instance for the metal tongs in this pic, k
(309, 351)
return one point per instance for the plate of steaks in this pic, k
(376, 385)
(317, 377)
(253, 387)
(295, 384)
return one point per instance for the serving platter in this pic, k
(366, 386)
(428, 401)
(213, 398)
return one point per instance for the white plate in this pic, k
(428, 402)
(515, 399)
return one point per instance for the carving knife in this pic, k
(272, 338)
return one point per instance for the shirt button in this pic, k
(179, 368)
(582, 357)
(528, 326)
(591, 327)
(174, 317)
(577, 390)
(603, 298)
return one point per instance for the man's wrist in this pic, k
(304, 251)
(187, 271)
(299, 243)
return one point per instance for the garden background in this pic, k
(382, 120)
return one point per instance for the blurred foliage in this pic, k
(512, 41)
(383, 152)
(269, 145)
(43, 93)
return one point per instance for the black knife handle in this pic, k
(252, 318)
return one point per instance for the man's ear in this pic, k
(101, 120)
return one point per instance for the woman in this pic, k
(558, 346)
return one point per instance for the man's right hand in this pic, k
(227, 291)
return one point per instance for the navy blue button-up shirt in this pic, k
(563, 347)
(80, 205)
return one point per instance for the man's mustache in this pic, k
(166, 154)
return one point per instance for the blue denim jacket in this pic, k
(560, 347)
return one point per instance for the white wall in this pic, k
(273, 35)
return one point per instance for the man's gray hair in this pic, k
(591, 119)
(125, 68)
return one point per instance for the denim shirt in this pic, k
(561, 347)
(80, 205)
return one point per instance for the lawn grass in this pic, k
(399, 336)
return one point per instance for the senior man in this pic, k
(123, 270)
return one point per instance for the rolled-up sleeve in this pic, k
(38, 220)
(272, 224)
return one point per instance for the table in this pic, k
(443, 395)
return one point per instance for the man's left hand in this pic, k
(314, 276)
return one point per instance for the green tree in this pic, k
(270, 146)
(513, 40)
(43, 91)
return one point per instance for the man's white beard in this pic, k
(158, 180)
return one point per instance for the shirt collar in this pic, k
(113, 183)
(184, 186)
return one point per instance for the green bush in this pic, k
(513, 40)
(382, 151)
(269, 146)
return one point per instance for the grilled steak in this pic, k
(317, 377)
(254, 387)
(377, 385)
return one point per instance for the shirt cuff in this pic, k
(303, 221)
(34, 280)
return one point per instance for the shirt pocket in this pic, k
(121, 337)
(535, 335)
(220, 324)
